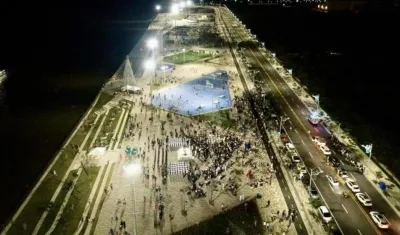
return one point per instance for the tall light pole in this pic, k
(313, 172)
(184, 50)
(158, 8)
(368, 150)
(151, 64)
(282, 120)
(316, 98)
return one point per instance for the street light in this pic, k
(316, 98)
(282, 120)
(184, 50)
(174, 8)
(152, 43)
(158, 7)
(151, 64)
(368, 150)
(314, 172)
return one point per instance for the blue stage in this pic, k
(208, 93)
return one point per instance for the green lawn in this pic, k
(220, 118)
(239, 220)
(109, 126)
(56, 206)
(187, 57)
(77, 202)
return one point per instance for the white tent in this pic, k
(131, 88)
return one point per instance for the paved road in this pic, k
(298, 222)
(350, 215)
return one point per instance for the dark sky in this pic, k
(58, 54)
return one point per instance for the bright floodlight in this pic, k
(152, 43)
(150, 64)
(158, 7)
(175, 8)
(189, 3)
(182, 4)
(132, 168)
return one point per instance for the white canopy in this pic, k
(98, 151)
(130, 88)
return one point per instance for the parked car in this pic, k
(364, 199)
(332, 181)
(319, 140)
(325, 214)
(353, 186)
(379, 219)
(325, 150)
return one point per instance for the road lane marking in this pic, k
(345, 209)
(311, 155)
(302, 112)
(359, 231)
(303, 142)
(352, 176)
(300, 227)
(316, 129)
(297, 105)
(330, 186)
(288, 196)
(341, 162)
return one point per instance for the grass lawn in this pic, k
(56, 206)
(239, 220)
(72, 215)
(109, 126)
(187, 57)
(91, 137)
(220, 118)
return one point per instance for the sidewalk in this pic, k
(372, 167)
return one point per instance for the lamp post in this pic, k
(313, 172)
(184, 50)
(158, 8)
(282, 120)
(150, 64)
(368, 150)
(316, 98)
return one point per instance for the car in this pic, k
(379, 219)
(296, 159)
(334, 160)
(352, 185)
(342, 173)
(302, 168)
(325, 150)
(319, 140)
(364, 199)
(332, 180)
(313, 192)
(290, 147)
(325, 214)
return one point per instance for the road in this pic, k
(298, 221)
(351, 217)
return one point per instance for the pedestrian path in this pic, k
(63, 181)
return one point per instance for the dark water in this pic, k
(57, 56)
(358, 84)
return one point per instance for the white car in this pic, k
(364, 199)
(296, 159)
(332, 180)
(325, 150)
(342, 173)
(353, 186)
(319, 140)
(302, 168)
(290, 147)
(379, 219)
(325, 214)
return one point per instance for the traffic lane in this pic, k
(356, 219)
(379, 203)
